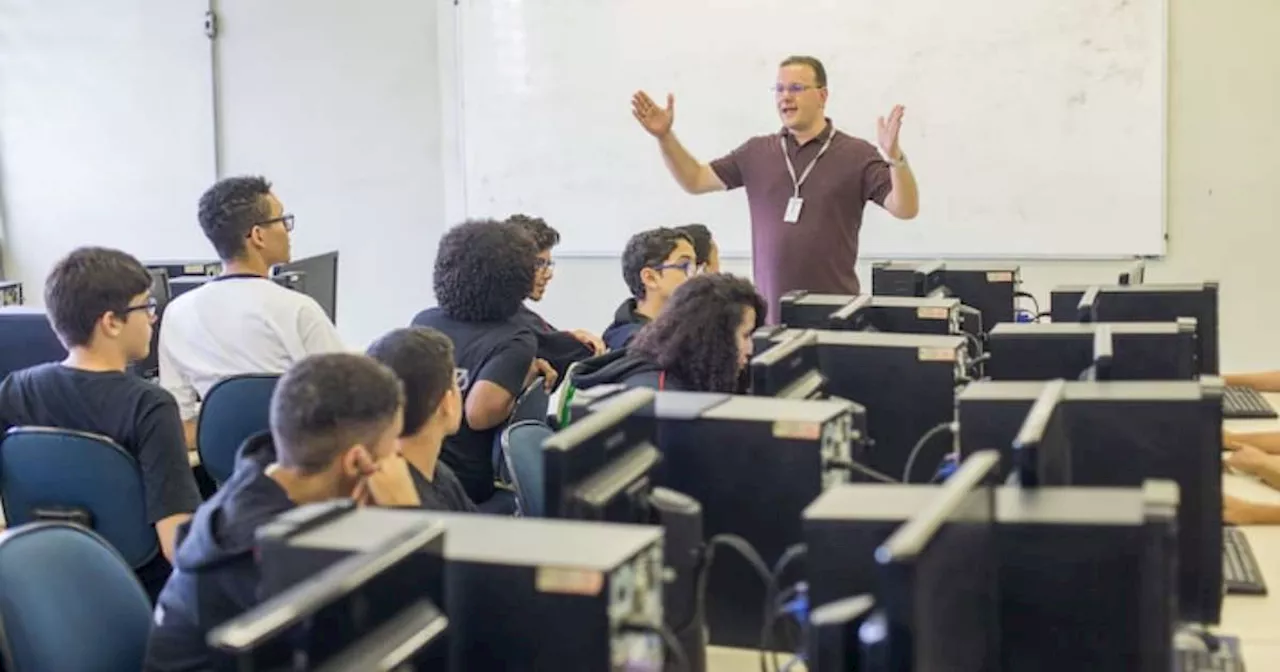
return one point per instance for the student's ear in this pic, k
(256, 239)
(356, 462)
(649, 278)
(111, 324)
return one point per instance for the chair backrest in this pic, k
(235, 409)
(48, 473)
(522, 447)
(532, 402)
(69, 602)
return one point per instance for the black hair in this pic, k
(702, 241)
(87, 284)
(325, 404)
(648, 249)
(422, 358)
(483, 272)
(694, 337)
(537, 228)
(230, 209)
(819, 70)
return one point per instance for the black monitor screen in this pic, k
(1045, 351)
(784, 364)
(320, 280)
(1042, 450)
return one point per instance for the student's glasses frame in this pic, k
(690, 268)
(150, 306)
(286, 219)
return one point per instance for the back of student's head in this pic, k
(91, 283)
(543, 235)
(703, 335)
(230, 209)
(649, 250)
(484, 269)
(327, 404)
(422, 358)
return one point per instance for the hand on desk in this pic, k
(1237, 511)
(1267, 442)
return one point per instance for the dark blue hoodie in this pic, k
(625, 368)
(215, 577)
(626, 322)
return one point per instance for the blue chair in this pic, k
(522, 446)
(60, 474)
(530, 405)
(26, 339)
(235, 409)
(69, 602)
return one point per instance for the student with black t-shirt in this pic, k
(423, 360)
(99, 303)
(559, 348)
(483, 271)
(654, 264)
(701, 342)
(334, 423)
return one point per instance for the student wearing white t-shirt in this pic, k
(241, 321)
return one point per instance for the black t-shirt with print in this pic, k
(499, 352)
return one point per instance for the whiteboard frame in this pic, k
(458, 53)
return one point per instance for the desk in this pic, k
(1255, 620)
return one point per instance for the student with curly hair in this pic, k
(654, 263)
(559, 348)
(483, 272)
(701, 342)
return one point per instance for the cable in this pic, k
(1028, 295)
(977, 344)
(774, 595)
(749, 553)
(924, 440)
(859, 468)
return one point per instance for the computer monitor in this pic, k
(1152, 303)
(1042, 449)
(27, 339)
(1087, 307)
(1048, 350)
(988, 288)
(937, 597)
(320, 275)
(852, 316)
(788, 369)
(149, 366)
(185, 268)
(1135, 274)
(1103, 355)
(324, 616)
(183, 284)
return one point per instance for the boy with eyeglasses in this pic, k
(241, 321)
(654, 264)
(99, 303)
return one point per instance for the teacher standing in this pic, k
(807, 185)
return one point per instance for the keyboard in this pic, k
(1204, 661)
(1240, 571)
(1242, 403)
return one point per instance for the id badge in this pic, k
(792, 215)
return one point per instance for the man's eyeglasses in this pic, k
(794, 89)
(150, 306)
(687, 266)
(285, 219)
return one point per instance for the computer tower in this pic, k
(181, 268)
(1122, 433)
(808, 310)
(906, 278)
(894, 314)
(1081, 572)
(1140, 350)
(754, 464)
(10, 293)
(1151, 303)
(907, 384)
(990, 288)
(520, 594)
(842, 529)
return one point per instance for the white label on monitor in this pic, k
(937, 355)
(1000, 276)
(932, 313)
(569, 581)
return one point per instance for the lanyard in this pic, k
(792, 169)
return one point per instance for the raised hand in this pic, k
(656, 120)
(887, 132)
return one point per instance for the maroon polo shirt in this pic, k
(818, 252)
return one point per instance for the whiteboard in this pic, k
(1036, 128)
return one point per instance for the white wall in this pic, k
(1224, 169)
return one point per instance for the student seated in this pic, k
(422, 359)
(1253, 462)
(334, 423)
(704, 246)
(99, 304)
(241, 321)
(559, 348)
(701, 342)
(482, 274)
(654, 264)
